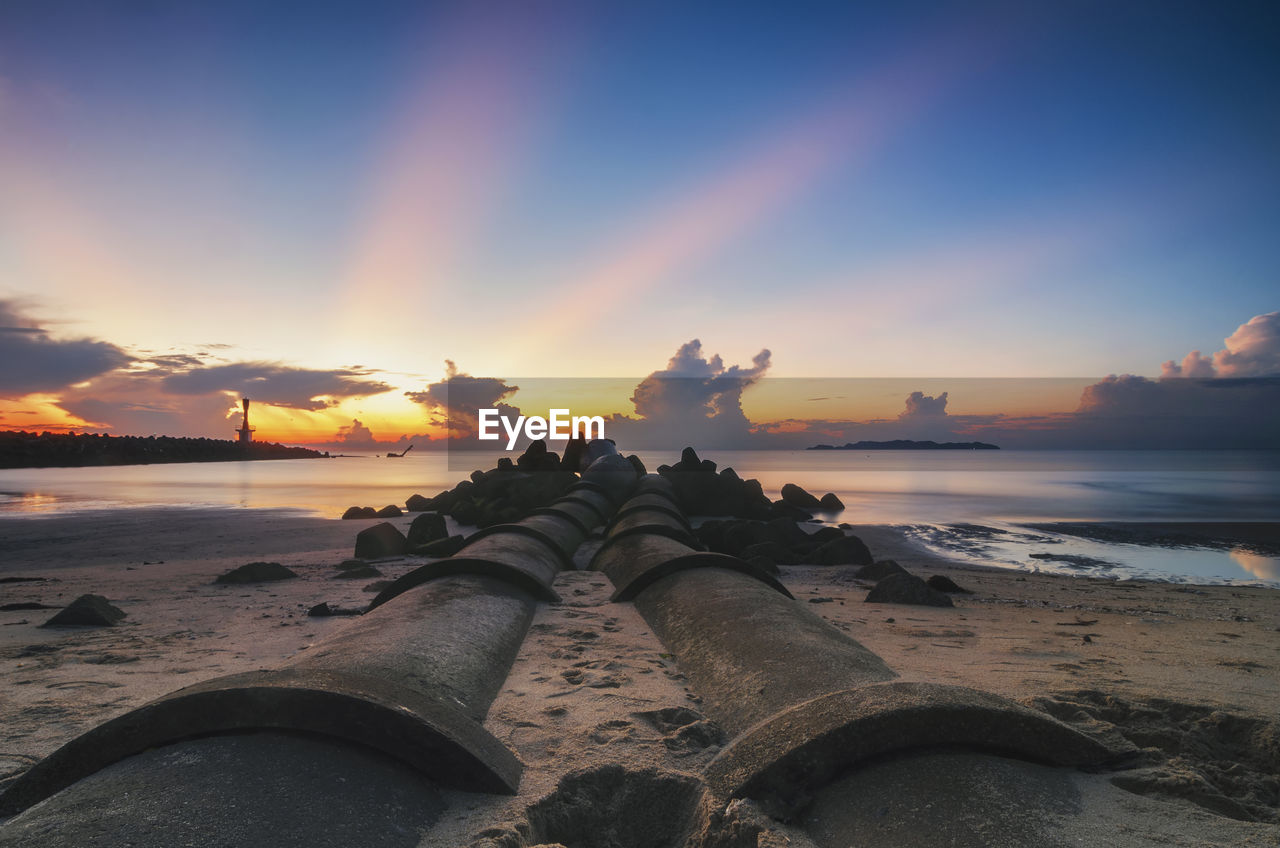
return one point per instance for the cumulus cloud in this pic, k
(36, 362)
(920, 405)
(274, 383)
(694, 400)
(1253, 350)
(456, 401)
(355, 434)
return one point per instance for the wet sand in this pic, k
(593, 688)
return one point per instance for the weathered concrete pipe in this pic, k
(802, 700)
(412, 680)
(636, 561)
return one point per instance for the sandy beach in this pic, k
(1188, 672)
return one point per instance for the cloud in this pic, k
(694, 400)
(133, 402)
(35, 362)
(455, 401)
(356, 434)
(274, 383)
(920, 405)
(1253, 350)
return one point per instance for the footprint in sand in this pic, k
(684, 731)
(616, 730)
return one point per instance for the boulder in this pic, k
(380, 540)
(389, 511)
(771, 551)
(906, 589)
(945, 584)
(257, 572)
(830, 503)
(879, 570)
(798, 497)
(637, 464)
(441, 547)
(360, 512)
(847, 550)
(426, 528)
(349, 564)
(417, 503)
(87, 610)
(782, 509)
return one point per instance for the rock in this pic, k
(87, 610)
(823, 535)
(377, 586)
(798, 497)
(360, 512)
(389, 511)
(441, 547)
(771, 551)
(946, 584)
(349, 564)
(353, 573)
(257, 572)
(380, 540)
(637, 464)
(426, 528)
(782, 509)
(830, 503)
(879, 570)
(689, 460)
(536, 457)
(906, 589)
(847, 550)
(417, 503)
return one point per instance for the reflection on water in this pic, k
(1011, 546)
(1262, 567)
(995, 489)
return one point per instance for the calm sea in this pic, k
(930, 490)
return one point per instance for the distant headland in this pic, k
(907, 444)
(19, 449)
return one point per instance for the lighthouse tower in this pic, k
(245, 432)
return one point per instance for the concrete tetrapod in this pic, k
(803, 702)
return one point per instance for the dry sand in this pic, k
(1187, 672)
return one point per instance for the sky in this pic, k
(333, 207)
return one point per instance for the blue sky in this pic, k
(915, 189)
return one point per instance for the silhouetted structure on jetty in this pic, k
(245, 434)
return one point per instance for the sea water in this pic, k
(937, 493)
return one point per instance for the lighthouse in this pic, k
(245, 432)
